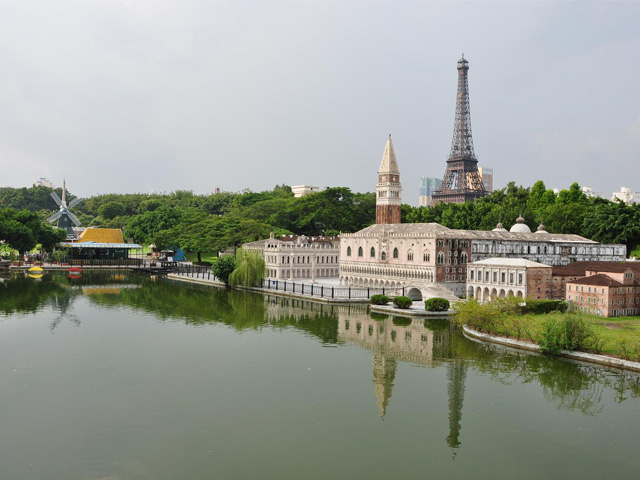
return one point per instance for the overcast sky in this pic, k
(128, 96)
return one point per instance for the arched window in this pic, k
(383, 255)
(463, 257)
(440, 258)
(372, 253)
(359, 251)
(348, 251)
(410, 256)
(395, 253)
(426, 256)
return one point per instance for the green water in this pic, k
(115, 376)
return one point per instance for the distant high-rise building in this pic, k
(486, 174)
(43, 182)
(590, 192)
(302, 190)
(428, 185)
(626, 195)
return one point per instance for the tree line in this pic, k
(212, 223)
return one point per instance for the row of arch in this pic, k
(419, 273)
(486, 294)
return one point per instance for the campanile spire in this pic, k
(389, 189)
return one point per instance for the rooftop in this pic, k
(509, 262)
(581, 268)
(600, 280)
(435, 230)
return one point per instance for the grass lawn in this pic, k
(612, 332)
(206, 257)
(635, 252)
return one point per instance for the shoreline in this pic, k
(532, 347)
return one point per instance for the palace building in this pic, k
(428, 259)
(295, 258)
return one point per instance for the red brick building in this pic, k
(606, 294)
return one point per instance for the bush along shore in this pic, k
(553, 326)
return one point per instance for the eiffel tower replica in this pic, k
(461, 181)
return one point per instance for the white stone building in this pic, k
(501, 277)
(301, 190)
(427, 259)
(625, 195)
(297, 258)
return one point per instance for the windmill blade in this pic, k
(54, 217)
(55, 196)
(74, 202)
(73, 218)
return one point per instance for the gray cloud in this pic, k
(141, 96)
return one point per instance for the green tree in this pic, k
(250, 269)
(111, 210)
(223, 267)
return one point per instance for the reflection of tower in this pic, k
(384, 373)
(388, 200)
(461, 180)
(456, 373)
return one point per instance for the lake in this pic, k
(118, 376)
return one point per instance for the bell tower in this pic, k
(389, 189)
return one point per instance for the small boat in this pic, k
(36, 275)
(36, 270)
(75, 271)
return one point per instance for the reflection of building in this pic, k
(500, 277)
(427, 187)
(391, 341)
(291, 257)
(301, 190)
(486, 174)
(625, 195)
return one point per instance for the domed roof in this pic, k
(541, 229)
(520, 226)
(499, 228)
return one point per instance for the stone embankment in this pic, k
(582, 356)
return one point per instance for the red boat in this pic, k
(75, 271)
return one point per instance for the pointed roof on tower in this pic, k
(389, 163)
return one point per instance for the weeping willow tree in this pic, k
(250, 269)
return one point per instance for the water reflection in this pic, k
(391, 340)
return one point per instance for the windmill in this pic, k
(64, 217)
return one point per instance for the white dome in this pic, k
(520, 226)
(499, 228)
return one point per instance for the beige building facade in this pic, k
(299, 258)
(502, 277)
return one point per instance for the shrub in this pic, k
(379, 299)
(59, 255)
(402, 302)
(537, 307)
(571, 332)
(481, 316)
(436, 305)
(223, 267)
